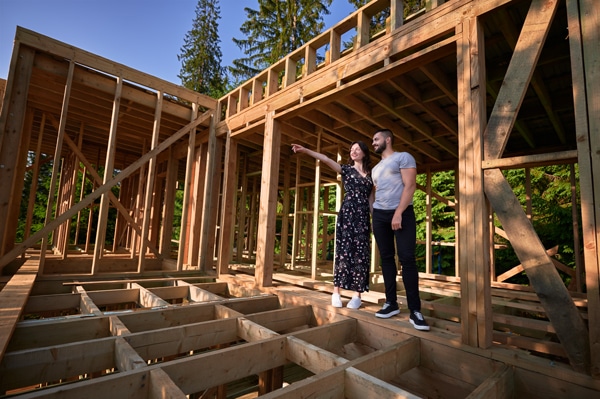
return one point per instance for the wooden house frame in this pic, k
(237, 303)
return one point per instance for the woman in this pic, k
(353, 227)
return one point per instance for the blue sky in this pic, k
(143, 34)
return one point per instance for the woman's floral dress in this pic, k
(353, 233)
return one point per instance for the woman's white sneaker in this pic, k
(336, 301)
(354, 303)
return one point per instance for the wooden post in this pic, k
(310, 60)
(325, 223)
(335, 40)
(297, 215)
(576, 236)
(57, 158)
(584, 36)
(108, 175)
(396, 14)
(491, 238)
(230, 177)
(121, 228)
(283, 243)
(529, 210)
(315, 215)
(74, 185)
(155, 215)
(272, 82)
(241, 217)
(66, 201)
(183, 232)
(211, 221)
(81, 191)
(54, 236)
(309, 222)
(211, 195)
(289, 72)
(34, 178)
(428, 225)
(252, 221)
(166, 235)
(363, 29)
(150, 183)
(196, 206)
(457, 225)
(88, 236)
(473, 253)
(138, 204)
(268, 202)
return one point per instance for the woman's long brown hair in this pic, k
(366, 161)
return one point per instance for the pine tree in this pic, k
(274, 30)
(201, 55)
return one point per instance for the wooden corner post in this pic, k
(473, 251)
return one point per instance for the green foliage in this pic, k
(177, 213)
(201, 55)
(551, 217)
(550, 196)
(276, 29)
(442, 218)
(38, 219)
(43, 185)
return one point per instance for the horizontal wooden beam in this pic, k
(311, 357)
(226, 365)
(137, 280)
(30, 367)
(172, 341)
(283, 319)
(554, 158)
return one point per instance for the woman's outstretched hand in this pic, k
(297, 148)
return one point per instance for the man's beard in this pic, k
(381, 148)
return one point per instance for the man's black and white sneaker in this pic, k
(418, 321)
(388, 310)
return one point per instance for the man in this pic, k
(394, 220)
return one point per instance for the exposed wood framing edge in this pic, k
(13, 297)
(35, 40)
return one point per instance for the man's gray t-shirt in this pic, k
(388, 179)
